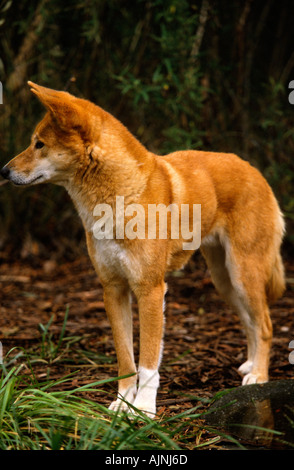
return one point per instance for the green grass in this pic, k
(44, 415)
(33, 417)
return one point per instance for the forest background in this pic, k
(210, 75)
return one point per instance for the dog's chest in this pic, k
(116, 259)
(109, 255)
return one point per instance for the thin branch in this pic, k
(27, 49)
(200, 31)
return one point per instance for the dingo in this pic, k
(83, 148)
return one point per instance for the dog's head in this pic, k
(59, 141)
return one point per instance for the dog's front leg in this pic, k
(117, 301)
(150, 303)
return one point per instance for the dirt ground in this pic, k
(204, 343)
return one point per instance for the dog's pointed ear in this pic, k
(62, 106)
(53, 100)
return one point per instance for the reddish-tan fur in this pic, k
(95, 158)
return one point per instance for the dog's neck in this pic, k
(114, 164)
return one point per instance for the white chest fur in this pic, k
(117, 259)
(108, 252)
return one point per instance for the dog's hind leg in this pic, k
(241, 282)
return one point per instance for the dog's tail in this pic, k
(277, 283)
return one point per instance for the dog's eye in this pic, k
(39, 144)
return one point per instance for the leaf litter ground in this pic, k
(204, 343)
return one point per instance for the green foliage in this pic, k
(169, 83)
(179, 74)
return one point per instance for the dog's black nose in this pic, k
(5, 172)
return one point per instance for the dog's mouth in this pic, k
(19, 182)
(19, 179)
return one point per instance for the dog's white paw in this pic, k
(246, 367)
(148, 407)
(119, 405)
(252, 378)
(124, 398)
(144, 400)
(249, 379)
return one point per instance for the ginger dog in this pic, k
(89, 152)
